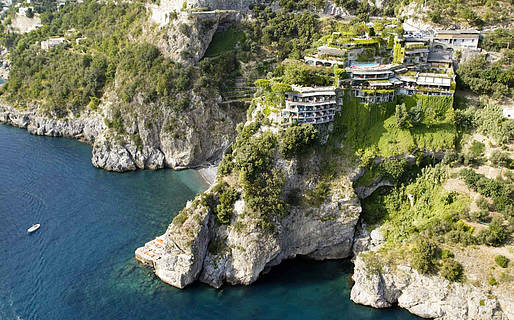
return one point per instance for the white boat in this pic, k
(33, 228)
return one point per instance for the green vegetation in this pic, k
(492, 281)
(372, 130)
(261, 183)
(435, 212)
(298, 73)
(474, 13)
(498, 39)
(319, 194)
(483, 77)
(287, 34)
(502, 261)
(423, 256)
(227, 196)
(502, 192)
(451, 270)
(65, 79)
(296, 140)
(225, 41)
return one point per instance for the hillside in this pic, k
(334, 136)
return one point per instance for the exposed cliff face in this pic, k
(425, 296)
(239, 252)
(153, 135)
(184, 37)
(156, 136)
(85, 128)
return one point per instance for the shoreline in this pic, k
(208, 175)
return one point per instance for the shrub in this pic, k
(394, 169)
(492, 281)
(477, 148)
(402, 116)
(502, 261)
(227, 197)
(479, 216)
(226, 165)
(423, 255)
(446, 254)
(297, 139)
(494, 235)
(317, 196)
(482, 203)
(500, 158)
(451, 270)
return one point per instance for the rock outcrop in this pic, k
(184, 37)
(240, 251)
(84, 128)
(425, 296)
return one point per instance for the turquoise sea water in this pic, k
(80, 264)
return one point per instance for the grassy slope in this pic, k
(371, 130)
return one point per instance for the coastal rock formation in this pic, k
(185, 251)
(199, 138)
(85, 128)
(240, 251)
(425, 296)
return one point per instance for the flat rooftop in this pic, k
(313, 91)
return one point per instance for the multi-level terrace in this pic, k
(311, 105)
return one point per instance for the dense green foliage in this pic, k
(372, 130)
(225, 41)
(475, 13)
(66, 79)
(483, 77)
(262, 184)
(146, 73)
(451, 270)
(298, 73)
(289, 34)
(498, 39)
(500, 191)
(297, 139)
(423, 256)
(227, 196)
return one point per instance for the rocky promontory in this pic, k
(422, 295)
(237, 230)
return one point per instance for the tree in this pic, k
(402, 116)
(416, 113)
(494, 235)
(451, 270)
(423, 255)
(295, 140)
(29, 13)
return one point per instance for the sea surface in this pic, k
(80, 264)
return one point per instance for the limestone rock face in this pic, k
(332, 9)
(425, 296)
(186, 38)
(200, 135)
(85, 128)
(184, 252)
(240, 252)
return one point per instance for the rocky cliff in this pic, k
(84, 128)
(156, 134)
(200, 247)
(198, 136)
(425, 296)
